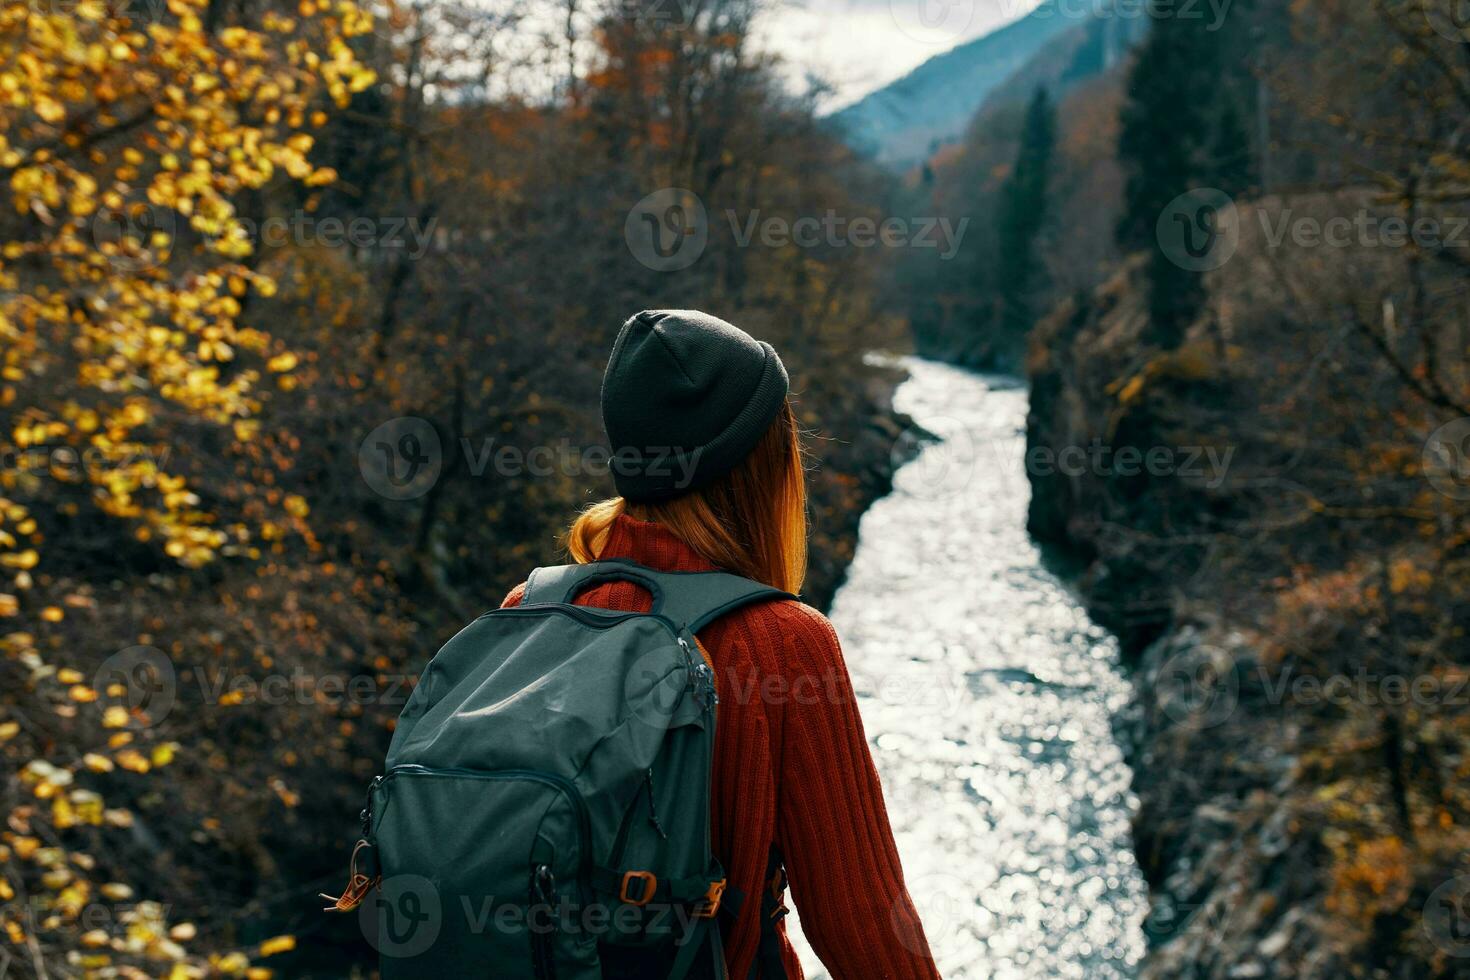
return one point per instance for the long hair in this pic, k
(751, 521)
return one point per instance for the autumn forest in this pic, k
(246, 243)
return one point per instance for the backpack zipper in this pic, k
(652, 812)
(543, 945)
(587, 615)
(558, 782)
(702, 676)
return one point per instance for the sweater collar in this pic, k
(652, 545)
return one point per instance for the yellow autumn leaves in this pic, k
(200, 117)
(126, 145)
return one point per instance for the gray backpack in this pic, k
(545, 807)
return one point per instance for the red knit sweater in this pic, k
(792, 767)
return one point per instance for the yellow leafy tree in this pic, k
(126, 266)
(129, 136)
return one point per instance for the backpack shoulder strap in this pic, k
(691, 600)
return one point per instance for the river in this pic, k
(988, 695)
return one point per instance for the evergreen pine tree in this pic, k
(1169, 123)
(1023, 214)
(1231, 156)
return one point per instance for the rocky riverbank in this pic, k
(1285, 831)
(858, 444)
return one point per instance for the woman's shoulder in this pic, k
(794, 613)
(794, 626)
(795, 623)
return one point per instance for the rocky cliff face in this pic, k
(1209, 827)
(1281, 830)
(1103, 470)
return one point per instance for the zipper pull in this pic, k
(543, 884)
(652, 813)
(367, 811)
(703, 679)
(358, 884)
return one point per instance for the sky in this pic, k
(854, 46)
(861, 45)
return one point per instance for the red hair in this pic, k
(751, 521)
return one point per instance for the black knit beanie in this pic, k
(686, 397)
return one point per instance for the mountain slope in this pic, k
(900, 124)
(905, 122)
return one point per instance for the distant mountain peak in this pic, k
(907, 120)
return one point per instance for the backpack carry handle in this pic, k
(691, 600)
(596, 574)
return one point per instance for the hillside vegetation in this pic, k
(1267, 488)
(251, 248)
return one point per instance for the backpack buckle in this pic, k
(650, 886)
(710, 904)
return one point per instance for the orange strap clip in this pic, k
(710, 905)
(650, 886)
(358, 885)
